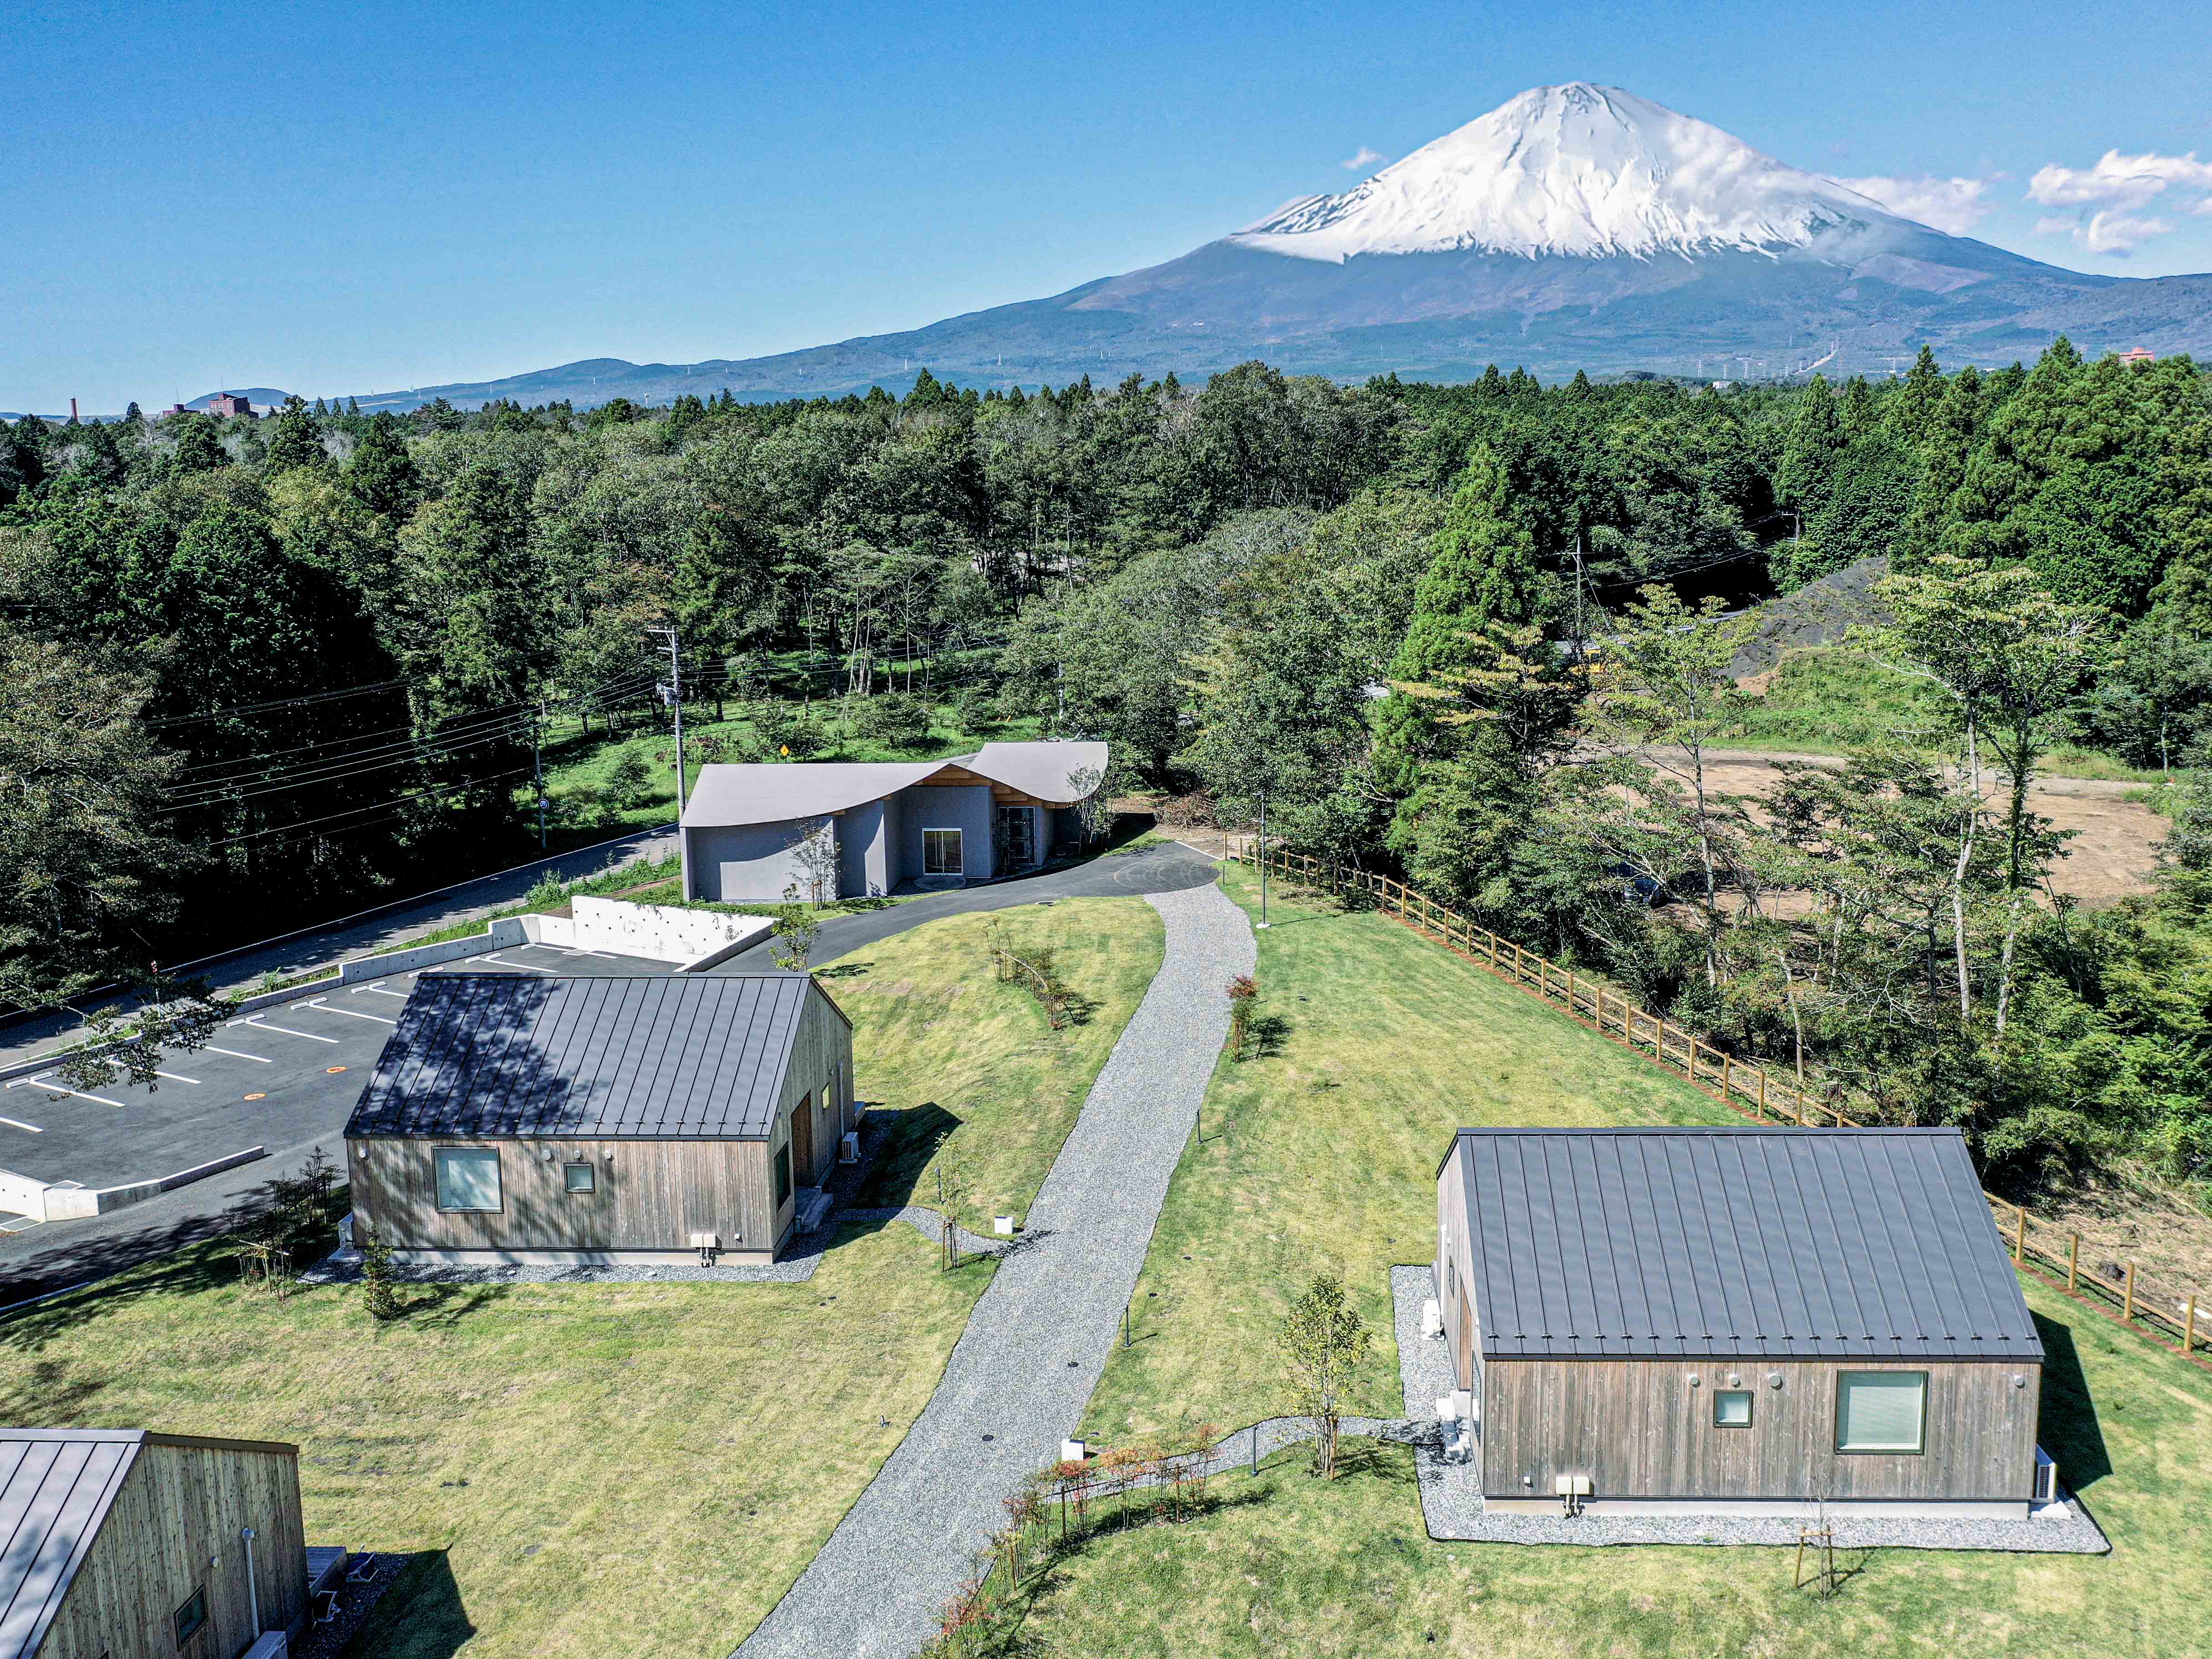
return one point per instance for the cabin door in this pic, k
(802, 1142)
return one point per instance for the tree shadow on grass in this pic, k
(420, 1617)
(911, 1135)
(2068, 1428)
(1265, 1036)
(843, 970)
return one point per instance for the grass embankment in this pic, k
(1325, 1157)
(579, 767)
(1288, 1563)
(580, 1469)
(584, 1470)
(1321, 1147)
(1828, 700)
(954, 1053)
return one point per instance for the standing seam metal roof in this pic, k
(56, 1487)
(667, 1056)
(1781, 1243)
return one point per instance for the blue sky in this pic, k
(339, 199)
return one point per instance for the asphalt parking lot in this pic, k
(284, 1077)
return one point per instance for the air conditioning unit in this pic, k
(1432, 1318)
(2046, 1478)
(849, 1147)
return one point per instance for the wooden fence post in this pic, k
(2019, 1234)
(2189, 1326)
(1761, 1114)
(1724, 1079)
(2128, 1305)
(2074, 1261)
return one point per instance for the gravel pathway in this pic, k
(1038, 1340)
(1451, 1494)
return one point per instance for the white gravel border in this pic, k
(1451, 1494)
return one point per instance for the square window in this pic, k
(1732, 1408)
(1881, 1411)
(468, 1179)
(191, 1616)
(580, 1177)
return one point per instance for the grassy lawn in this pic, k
(1287, 1564)
(1323, 1153)
(952, 1052)
(1826, 700)
(581, 1470)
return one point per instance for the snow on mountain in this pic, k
(1574, 170)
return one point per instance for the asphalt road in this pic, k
(287, 958)
(307, 1059)
(284, 1077)
(1167, 869)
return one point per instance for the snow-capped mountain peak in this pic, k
(1575, 170)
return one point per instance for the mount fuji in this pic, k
(1575, 227)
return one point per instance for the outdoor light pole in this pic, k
(1263, 858)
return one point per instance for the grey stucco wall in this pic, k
(863, 851)
(963, 806)
(750, 863)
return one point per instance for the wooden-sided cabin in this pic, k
(126, 1544)
(1746, 1321)
(601, 1119)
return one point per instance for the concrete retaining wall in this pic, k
(659, 932)
(498, 936)
(27, 1197)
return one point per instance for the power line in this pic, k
(277, 702)
(329, 817)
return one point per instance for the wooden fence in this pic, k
(2176, 1317)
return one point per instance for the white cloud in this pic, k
(1366, 158)
(2117, 180)
(2106, 232)
(1949, 205)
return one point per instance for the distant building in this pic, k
(229, 403)
(2134, 354)
(752, 833)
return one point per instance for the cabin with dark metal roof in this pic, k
(607, 1119)
(134, 1545)
(1688, 1320)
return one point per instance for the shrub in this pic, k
(629, 781)
(895, 718)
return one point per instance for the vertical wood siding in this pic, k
(180, 1505)
(648, 1196)
(1639, 1430)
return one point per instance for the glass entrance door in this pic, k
(941, 853)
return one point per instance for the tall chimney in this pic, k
(72, 411)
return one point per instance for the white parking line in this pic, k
(41, 1083)
(18, 1123)
(378, 989)
(526, 967)
(260, 1024)
(351, 1013)
(174, 1077)
(238, 1054)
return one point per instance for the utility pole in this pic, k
(676, 702)
(538, 768)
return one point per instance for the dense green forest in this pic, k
(262, 671)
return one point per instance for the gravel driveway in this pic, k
(1018, 1379)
